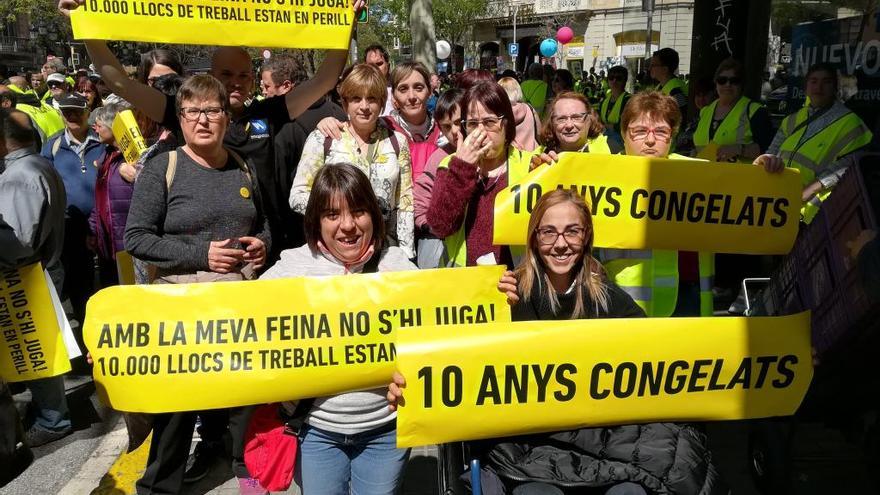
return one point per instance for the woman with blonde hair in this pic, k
(370, 145)
(525, 117)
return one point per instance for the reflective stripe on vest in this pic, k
(456, 245)
(818, 154)
(735, 128)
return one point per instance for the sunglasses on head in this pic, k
(722, 80)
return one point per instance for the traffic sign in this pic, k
(513, 49)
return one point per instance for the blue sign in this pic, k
(513, 49)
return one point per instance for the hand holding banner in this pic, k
(322, 24)
(642, 203)
(529, 377)
(206, 346)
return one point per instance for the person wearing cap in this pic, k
(58, 88)
(75, 153)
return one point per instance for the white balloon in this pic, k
(443, 49)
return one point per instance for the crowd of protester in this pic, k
(372, 168)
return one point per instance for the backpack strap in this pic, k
(171, 170)
(392, 136)
(294, 421)
(241, 165)
(328, 142)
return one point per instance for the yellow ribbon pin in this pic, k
(245, 192)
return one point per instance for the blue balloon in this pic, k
(548, 47)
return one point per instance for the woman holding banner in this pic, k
(348, 440)
(195, 216)
(368, 143)
(560, 280)
(484, 163)
(570, 126)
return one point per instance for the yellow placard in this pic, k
(529, 377)
(128, 136)
(216, 345)
(322, 24)
(709, 152)
(125, 268)
(32, 344)
(641, 203)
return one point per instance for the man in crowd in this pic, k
(58, 89)
(38, 84)
(32, 204)
(278, 76)
(664, 64)
(377, 55)
(74, 153)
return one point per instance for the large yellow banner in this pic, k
(529, 377)
(32, 343)
(164, 348)
(324, 24)
(641, 203)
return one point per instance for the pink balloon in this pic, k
(564, 35)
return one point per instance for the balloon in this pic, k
(443, 49)
(548, 47)
(564, 35)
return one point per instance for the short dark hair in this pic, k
(447, 103)
(492, 96)
(285, 68)
(169, 84)
(731, 64)
(564, 76)
(824, 67)
(350, 183)
(669, 58)
(470, 77)
(13, 130)
(9, 96)
(377, 48)
(619, 70)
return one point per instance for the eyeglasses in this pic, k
(571, 235)
(489, 123)
(54, 84)
(576, 118)
(193, 114)
(722, 80)
(641, 133)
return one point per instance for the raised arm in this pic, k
(301, 97)
(144, 98)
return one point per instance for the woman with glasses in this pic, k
(484, 163)
(195, 217)
(738, 127)
(560, 280)
(613, 103)
(572, 125)
(369, 144)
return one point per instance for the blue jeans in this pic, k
(370, 462)
(50, 403)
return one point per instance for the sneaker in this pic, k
(199, 463)
(37, 436)
(250, 486)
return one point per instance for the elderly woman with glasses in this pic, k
(572, 125)
(484, 163)
(738, 127)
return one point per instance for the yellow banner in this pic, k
(323, 24)
(32, 342)
(128, 136)
(560, 375)
(641, 203)
(209, 346)
(125, 268)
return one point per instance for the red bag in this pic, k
(270, 448)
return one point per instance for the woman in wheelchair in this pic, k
(557, 280)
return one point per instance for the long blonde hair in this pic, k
(590, 275)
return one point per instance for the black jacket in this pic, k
(664, 458)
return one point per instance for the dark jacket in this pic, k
(78, 171)
(664, 458)
(112, 201)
